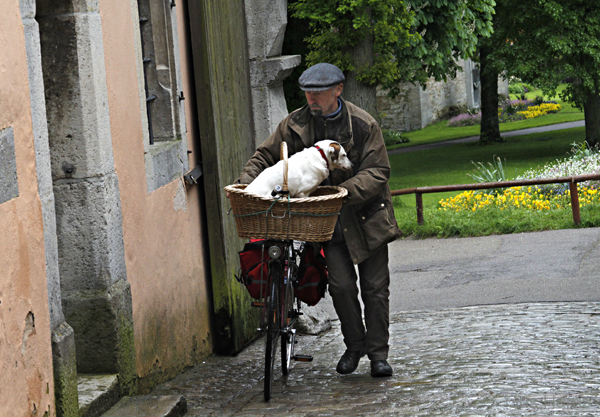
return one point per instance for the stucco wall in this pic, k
(26, 379)
(162, 230)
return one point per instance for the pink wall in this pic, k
(26, 379)
(165, 265)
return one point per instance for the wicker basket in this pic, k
(311, 219)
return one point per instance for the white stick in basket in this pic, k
(306, 170)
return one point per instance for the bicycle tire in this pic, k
(287, 340)
(272, 327)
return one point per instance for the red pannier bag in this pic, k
(254, 272)
(312, 276)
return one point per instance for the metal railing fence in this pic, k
(573, 181)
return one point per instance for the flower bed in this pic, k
(465, 119)
(582, 160)
(510, 111)
(544, 108)
(528, 198)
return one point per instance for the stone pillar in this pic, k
(96, 297)
(503, 86)
(472, 84)
(63, 341)
(266, 22)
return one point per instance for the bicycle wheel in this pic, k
(288, 338)
(272, 327)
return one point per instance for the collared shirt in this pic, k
(339, 109)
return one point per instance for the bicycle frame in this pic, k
(280, 309)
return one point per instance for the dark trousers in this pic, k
(372, 337)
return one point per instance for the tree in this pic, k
(546, 42)
(488, 69)
(385, 42)
(359, 37)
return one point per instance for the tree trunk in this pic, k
(362, 95)
(591, 110)
(490, 125)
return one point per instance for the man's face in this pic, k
(324, 102)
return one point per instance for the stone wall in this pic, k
(416, 108)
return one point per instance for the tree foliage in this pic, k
(412, 39)
(546, 42)
(448, 30)
(337, 26)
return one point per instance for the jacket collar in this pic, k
(301, 122)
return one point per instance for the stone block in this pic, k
(9, 186)
(150, 406)
(271, 71)
(65, 371)
(97, 393)
(164, 163)
(89, 223)
(56, 7)
(76, 95)
(38, 104)
(268, 99)
(51, 249)
(102, 321)
(266, 22)
(27, 8)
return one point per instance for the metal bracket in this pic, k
(192, 177)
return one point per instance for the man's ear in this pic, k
(335, 151)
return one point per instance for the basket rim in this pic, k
(341, 192)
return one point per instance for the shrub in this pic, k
(392, 137)
(538, 100)
(494, 172)
(515, 89)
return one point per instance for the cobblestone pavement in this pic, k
(499, 360)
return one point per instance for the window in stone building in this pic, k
(160, 75)
(166, 145)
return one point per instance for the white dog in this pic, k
(306, 170)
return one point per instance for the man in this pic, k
(366, 223)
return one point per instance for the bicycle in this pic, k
(281, 308)
(283, 222)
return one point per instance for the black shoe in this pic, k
(348, 362)
(380, 369)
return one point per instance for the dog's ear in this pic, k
(335, 151)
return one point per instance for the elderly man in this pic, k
(366, 223)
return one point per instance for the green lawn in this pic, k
(451, 164)
(439, 132)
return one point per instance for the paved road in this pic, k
(506, 360)
(527, 344)
(470, 139)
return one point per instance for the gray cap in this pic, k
(321, 77)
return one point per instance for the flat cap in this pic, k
(321, 77)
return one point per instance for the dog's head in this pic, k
(336, 155)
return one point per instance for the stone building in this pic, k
(120, 123)
(416, 108)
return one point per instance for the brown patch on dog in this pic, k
(336, 151)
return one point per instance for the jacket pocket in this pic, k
(376, 224)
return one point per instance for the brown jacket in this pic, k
(367, 215)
